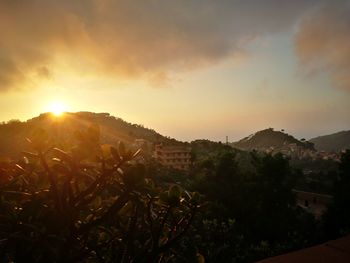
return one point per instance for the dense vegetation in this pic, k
(113, 130)
(87, 204)
(83, 202)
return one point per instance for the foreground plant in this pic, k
(88, 204)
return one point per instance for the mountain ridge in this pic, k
(113, 129)
(13, 134)
(334, 142)
(264, 139)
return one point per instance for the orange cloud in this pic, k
(323, 42)
(129, 39)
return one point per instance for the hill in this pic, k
(332, 142)
(61, 130)
(268, 138)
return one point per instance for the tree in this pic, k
(337, 218)
(88, 205)
(250, 215)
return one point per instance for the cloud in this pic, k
(323, 42)
(8, 73)
(145, 39)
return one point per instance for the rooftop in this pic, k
(335, 251)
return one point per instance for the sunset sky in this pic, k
(186, 68)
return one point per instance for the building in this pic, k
(315, 203)
(139, 143)
(177, 157)
(334, 251)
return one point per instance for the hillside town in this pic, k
(297, 152)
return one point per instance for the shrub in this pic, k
(87, 204)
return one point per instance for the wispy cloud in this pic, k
(323, 42)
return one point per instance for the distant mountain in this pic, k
(267, 138)
(62, 130)
(332, 142)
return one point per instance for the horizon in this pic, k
(186, 69)
(230, 140)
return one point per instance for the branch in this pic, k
(171, 242)
(52, 180)
(113, 209)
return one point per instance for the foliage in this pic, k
(252, 215)
(337, 218)
(88, 204)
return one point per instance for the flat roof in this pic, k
(312, 193)
(335, 251)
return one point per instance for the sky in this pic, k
(190, 69)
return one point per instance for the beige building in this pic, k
(177, 157)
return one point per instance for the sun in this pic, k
(57, 108)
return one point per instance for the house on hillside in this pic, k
(315, 203)
(177, 157)
(142, 144)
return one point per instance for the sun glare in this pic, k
(57, 108)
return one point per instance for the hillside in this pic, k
(267, 138)
(61, 130)
(332, 142)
